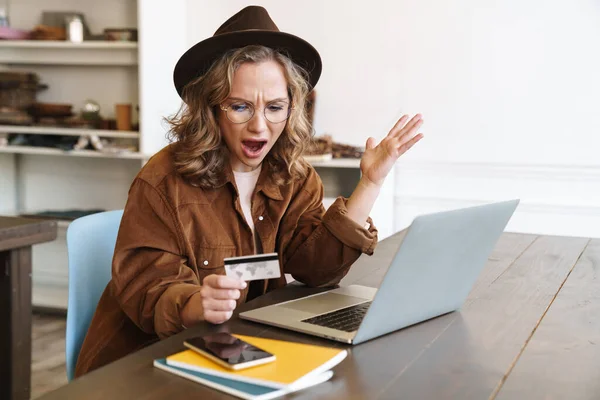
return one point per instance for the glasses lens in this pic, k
(239, 112)
(277, 112)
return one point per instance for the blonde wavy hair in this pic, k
(200, 151)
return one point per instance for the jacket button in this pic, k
(205, 262)
(260, 218)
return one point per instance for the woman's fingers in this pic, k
(218, 305)
(224, 282)
(370, 143)
(395, 131)
(219, 294)
(409, 131)
(411, 126)
(217, 317)
(404, 147)
(400, 129)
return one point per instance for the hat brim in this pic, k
(199, 58)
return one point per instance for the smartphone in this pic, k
(229, 351)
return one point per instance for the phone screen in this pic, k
(228, 348)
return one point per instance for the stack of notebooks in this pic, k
(297, 366)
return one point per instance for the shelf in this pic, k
(337, 163)
(46, 151)
(42, 130)
(40, 52)
(63, 44)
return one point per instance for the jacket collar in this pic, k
(267, 185)
(265, 182)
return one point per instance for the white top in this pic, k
(246, 182)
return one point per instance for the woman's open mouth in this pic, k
(253, 148)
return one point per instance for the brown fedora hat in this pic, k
(251, 26)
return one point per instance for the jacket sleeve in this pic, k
(323, 245)
(152, 282)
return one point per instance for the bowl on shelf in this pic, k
(14, 116)
(7, 33)
(121, 34)
(45, 32)
(51, 110)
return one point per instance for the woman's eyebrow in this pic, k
(270, 101)
(240, 99)
(278, 99)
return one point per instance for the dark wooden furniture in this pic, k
(17, 235)
(530, 329)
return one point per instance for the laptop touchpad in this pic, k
(324, 303)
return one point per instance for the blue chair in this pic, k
(90, 245)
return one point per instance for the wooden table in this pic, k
(17, 235)
(530, 329)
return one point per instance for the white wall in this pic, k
(162, 40)
(25, 14)
(509, 91)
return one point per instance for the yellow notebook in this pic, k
(295, 363)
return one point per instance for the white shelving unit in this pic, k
(93, 53)
(34, 179)
(70, 153)
(39, 130)
(337, 163)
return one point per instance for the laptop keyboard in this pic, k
(346, 319)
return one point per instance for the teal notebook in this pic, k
(236, 388)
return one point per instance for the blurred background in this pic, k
(509, 92)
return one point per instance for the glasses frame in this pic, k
(253, 108)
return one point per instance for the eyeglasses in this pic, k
(240, 112)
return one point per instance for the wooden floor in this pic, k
(48, 371)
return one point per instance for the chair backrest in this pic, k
(90, 245)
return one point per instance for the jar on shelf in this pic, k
(74, 27)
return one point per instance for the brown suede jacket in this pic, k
(174, 234)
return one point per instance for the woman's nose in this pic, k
(258, 122)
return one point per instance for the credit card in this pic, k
(251, 268)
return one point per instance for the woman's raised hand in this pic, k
(378, 161)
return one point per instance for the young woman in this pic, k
(233, 183)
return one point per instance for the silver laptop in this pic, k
(431, 273)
